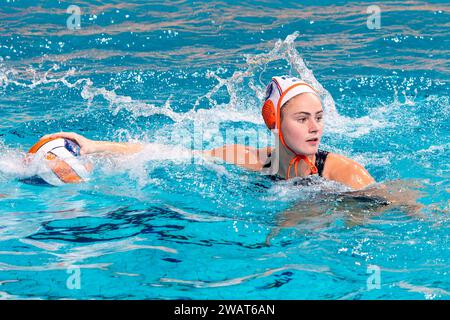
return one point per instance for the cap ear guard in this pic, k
(268, 114)
(268, 110)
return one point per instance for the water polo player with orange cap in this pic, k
(293, 110)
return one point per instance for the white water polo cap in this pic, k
(278, 92)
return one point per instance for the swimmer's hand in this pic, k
(88, 146)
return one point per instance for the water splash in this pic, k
(282, 50)
(242, 87)
(11, 165)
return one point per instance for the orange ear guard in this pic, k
(268, 114)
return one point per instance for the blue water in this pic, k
(162, 225)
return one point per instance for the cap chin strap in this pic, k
(296, 159)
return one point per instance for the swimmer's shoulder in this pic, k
(335, 163)
(347, 171)
(264, 156)
(252, 158)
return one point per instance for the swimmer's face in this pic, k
(301, 120)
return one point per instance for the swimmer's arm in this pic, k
(88, 146)
(354, 175)
(396, 194)
(244, 156)
(347, 172)
(117, 147)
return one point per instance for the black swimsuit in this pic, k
(356, 196)
(321, 156)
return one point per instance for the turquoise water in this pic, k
(163, 225)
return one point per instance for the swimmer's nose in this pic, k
(313, 126)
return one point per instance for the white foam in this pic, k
(11, 165)
(287, 191)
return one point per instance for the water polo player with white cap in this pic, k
(293, 110)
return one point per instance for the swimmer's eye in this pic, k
(301, 120)
(319, 118)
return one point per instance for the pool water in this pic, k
(188, 75)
